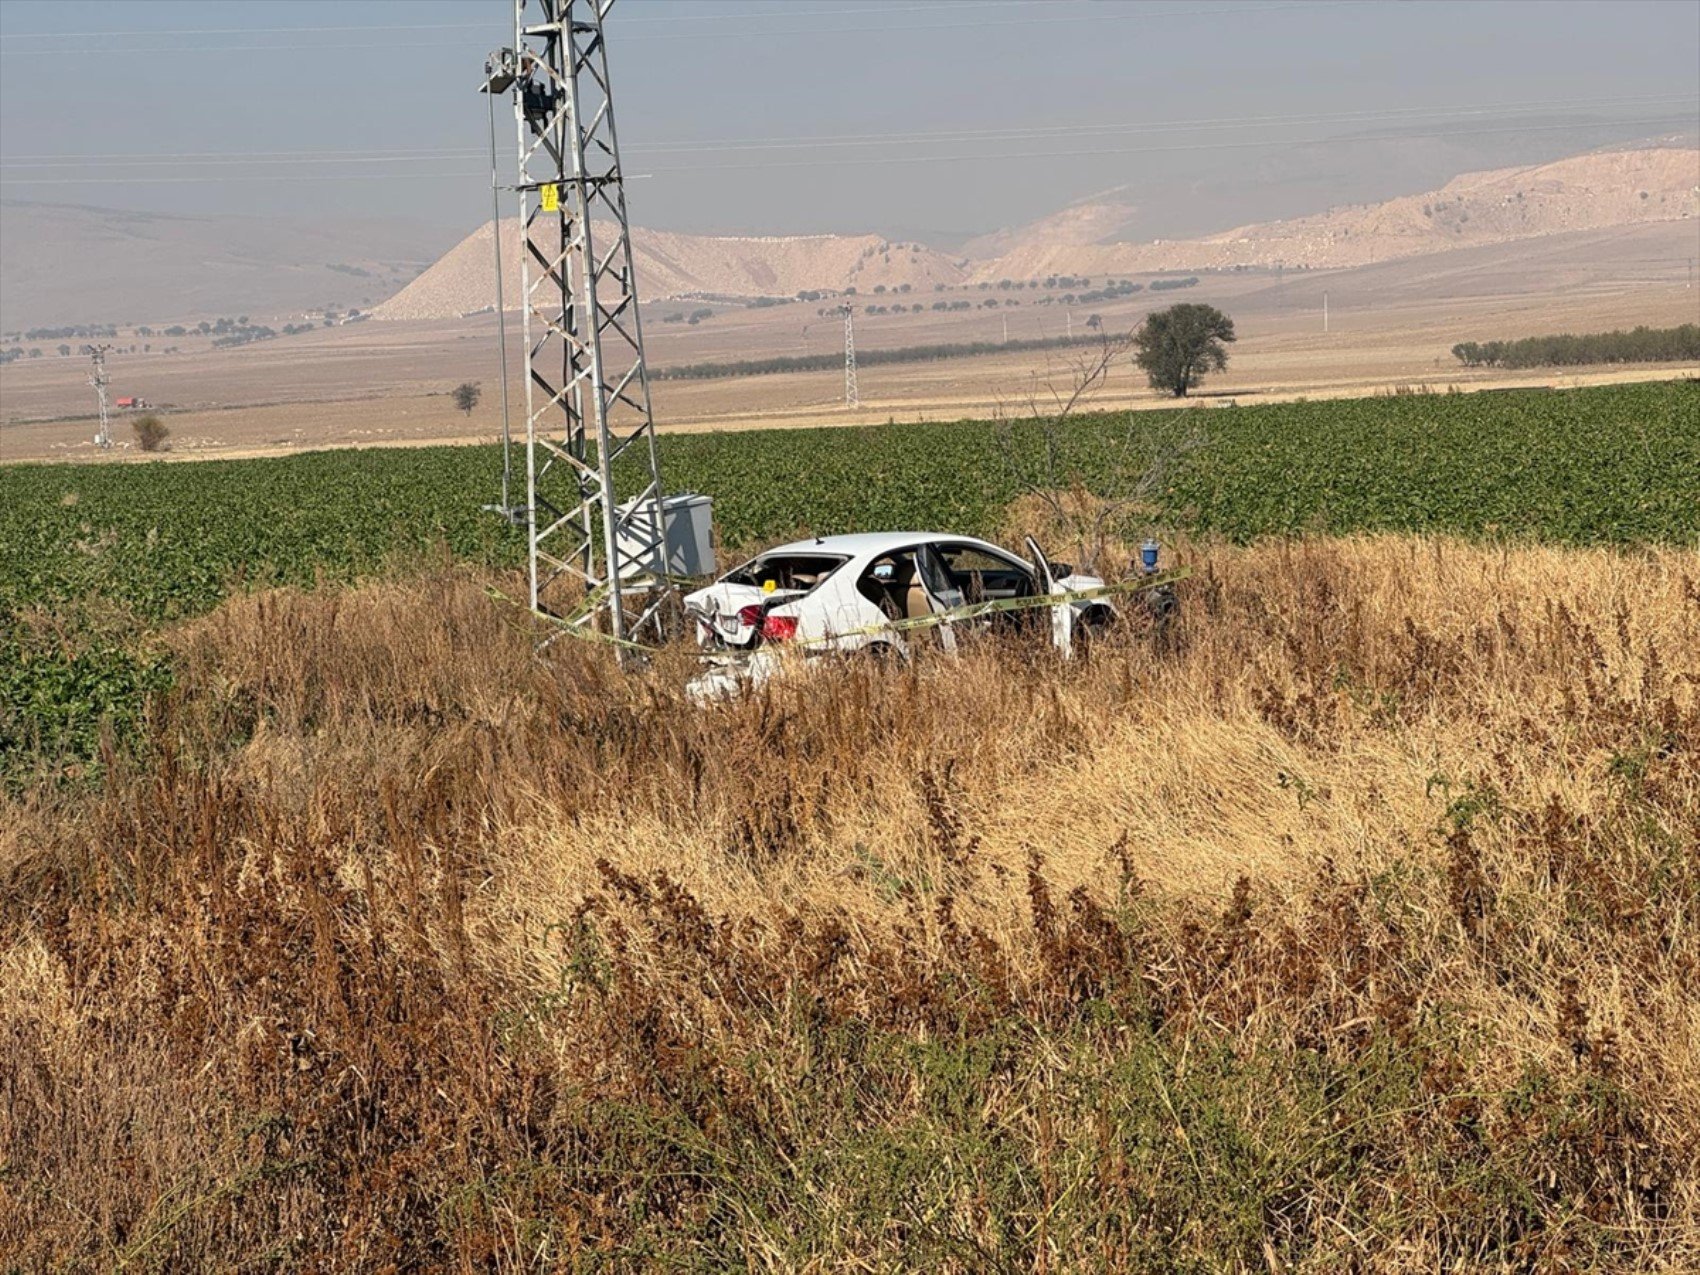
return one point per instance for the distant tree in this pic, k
(466, 396)
(1642, 345)
(64, 351)
(1094, 321)
(151, 432)
(1177, 346)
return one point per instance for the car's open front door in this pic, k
(942, 591)
(1062, 615)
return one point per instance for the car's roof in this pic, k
(862, 543)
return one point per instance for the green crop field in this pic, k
(1616, 465)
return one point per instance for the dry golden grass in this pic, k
(1349, 925)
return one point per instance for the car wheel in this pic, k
(877, 655)
(1090, 627)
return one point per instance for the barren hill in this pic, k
(1086, 221)
(675, 265)
(1585, 192)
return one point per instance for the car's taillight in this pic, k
(750, 616)
(779, 628)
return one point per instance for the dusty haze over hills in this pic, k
(257, 164)
(1585, 192)
(62, 264)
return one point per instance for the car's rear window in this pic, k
(788, 571)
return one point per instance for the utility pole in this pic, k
(494, 71)
(1068, 318)
(851, 397)
(1325, 311)
(98, 379)
(595, 562)
(1006, 329)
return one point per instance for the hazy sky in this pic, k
(799, 115)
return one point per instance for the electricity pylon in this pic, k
(595, 561)
(851, 397)
(98, 379)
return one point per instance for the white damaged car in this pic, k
(874, 593)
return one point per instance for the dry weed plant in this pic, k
(1350, 927)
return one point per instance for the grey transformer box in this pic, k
(687, 533)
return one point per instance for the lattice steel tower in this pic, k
(594, 560)
(851, 397)
(98, 379)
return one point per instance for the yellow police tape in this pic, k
(574, 626)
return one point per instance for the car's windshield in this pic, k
(787, 571)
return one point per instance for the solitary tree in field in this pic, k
(466, 396)
(1177, 346)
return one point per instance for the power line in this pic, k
(1104, 14)
(245, 161)
(340, 46)
(862, 28)
(860, 160)
(1166, 126)
(862, 11)
(1385, 115)
(161, 31)
(263, 177)
(1157, 150)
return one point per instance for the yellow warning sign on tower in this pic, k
(550, 194)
